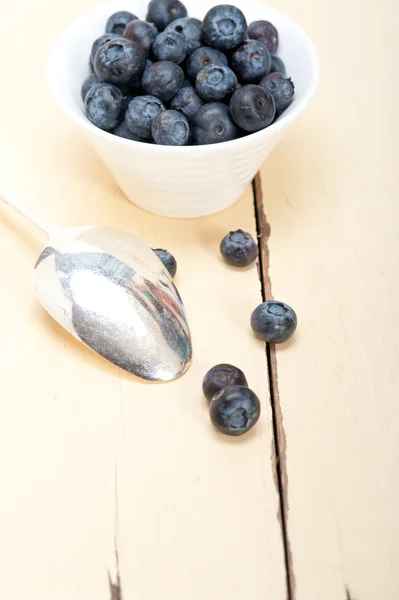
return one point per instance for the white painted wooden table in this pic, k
(97, 467)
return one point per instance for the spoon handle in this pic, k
(45, 226)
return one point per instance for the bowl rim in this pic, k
(277, 127)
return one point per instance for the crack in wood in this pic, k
(115, 587)
(348, 595)
(279, 447)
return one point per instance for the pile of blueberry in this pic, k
(177, 81)
(234, 408)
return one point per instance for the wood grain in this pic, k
(112, 488)
(330, 195)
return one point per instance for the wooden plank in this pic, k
(93, 462)
(330, 194)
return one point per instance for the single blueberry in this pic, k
(264, 32)
(235, 410)
(278, 65)
(281, 88)
(140, 114)
(141, 32)
(274, 322)
(252, 108)
(118, 21)
(204, 57)
(219, 376)
(171, 46)
(163, 80)
(164, 12)
(239, 249)
(171, 128)
(191, 29)
(251, 61)
(224, 27)
(104, 105)
(120, 62)
(187, 102)
(123, 131)
(212, 124)
(215, 83)
(88, 83)
(168, 261)
(103, 39)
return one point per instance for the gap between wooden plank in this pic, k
(280, 443)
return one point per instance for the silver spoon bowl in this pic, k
(111, 292)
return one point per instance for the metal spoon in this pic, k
(111, 292)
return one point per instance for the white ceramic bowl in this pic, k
(180, 182)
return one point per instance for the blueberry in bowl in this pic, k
(141, 32)
(104, 105)
(193, 66)
(204, 57)
(224, 27)
(191, 30)
(205, 176)
(164, 12)
(141, 113)
(252, 108)
(170, 46)
(251, 61)
(216, 83)
(171, 128)
(212, 124)
(120, 62)
(163, 79)
(281, 88)
(187, 101)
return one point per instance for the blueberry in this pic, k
(264, 32)
(141, 32)
(88, 83)
(104, 105)
(168, 261)
(204, 57)
(187, 102)
(118, 21)
(274, 322)
(218, 377)
(163, 80)
(140, 114)
(103, 39)
(281, 88)
(212, 124)
(252, 108)
(171, 128)
(239, 249)
(191, 29)
(123, 131)
(215, 83)
(164, 12)
(278, 65)
(235, 410)
(120, 62)
(224, 27)
(171, 46)
(251, 61)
